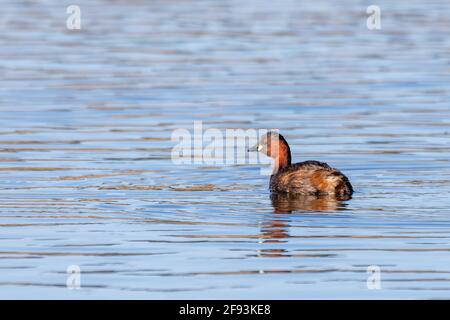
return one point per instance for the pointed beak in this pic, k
(256, 147)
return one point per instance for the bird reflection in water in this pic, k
(286, 203)
(276, 230)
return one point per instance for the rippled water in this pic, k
(85, 152)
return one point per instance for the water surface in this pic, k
(85, 152)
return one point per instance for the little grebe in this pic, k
(305, 178)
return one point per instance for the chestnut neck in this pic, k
(283, 158)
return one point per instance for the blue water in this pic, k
(87, 179)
